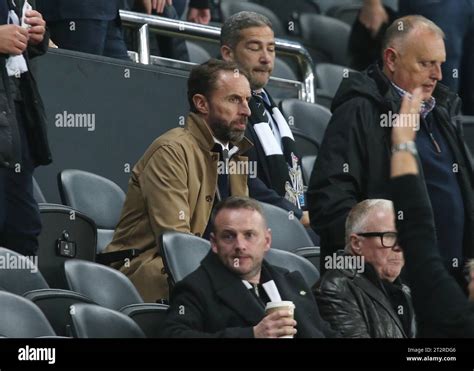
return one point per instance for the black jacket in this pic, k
(441, 307)
(34, 114)
(359, 307)
(353, 163)
(213, 302)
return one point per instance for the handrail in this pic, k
(144, 24)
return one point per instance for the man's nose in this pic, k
(245, 109)
(265, 57)
(436, 73)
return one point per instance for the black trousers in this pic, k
(20, 222)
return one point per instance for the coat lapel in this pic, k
(375, 293)
(232, 291)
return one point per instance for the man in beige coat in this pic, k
(174, 185)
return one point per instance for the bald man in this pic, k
(354, 160)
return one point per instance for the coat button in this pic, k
(209, 198)
(302, 293)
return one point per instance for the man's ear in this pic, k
(355, 244)
(201, 104)
(390, 57)
(268, 239)
(227, 53)
(213, 242)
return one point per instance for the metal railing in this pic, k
(145, 24)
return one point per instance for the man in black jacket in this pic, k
(353, 163)
(361, 293)
(227, 294)
(23, 140)
(247, 39)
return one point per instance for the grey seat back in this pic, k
(287, 232)
(311, 118)
(197, 54)
(182, 254)
(293, 262)
(93, 321)
(329, 76)
(283, 70)
(16, 280)
(21, 318)
(326, 38)
(59, 222)
(56, 305)
(307, 166)
(104, 285)
(149, 317)
(38, 193)
(95, 196)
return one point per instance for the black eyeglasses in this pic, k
(388, 239)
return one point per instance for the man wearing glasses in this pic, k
(370, 302)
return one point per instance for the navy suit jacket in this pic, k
(57, 10)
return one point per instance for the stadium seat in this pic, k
(56, 305)
(346, 13)
(69, 228)
(19, 281)
(282, 70)
(229, 8)
(325, 5)
(148, 316)
(197, 54)
(106, 286)
(21, 318)
(182, 253)
(329, 77)
(37, 193)
(326, 38)
(293, 262)
(287, 232)
(95, 196)
(307, 165)
(94, 321)
(309, 117)
(306, 144)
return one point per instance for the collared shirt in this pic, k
(426, 106)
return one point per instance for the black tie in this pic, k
(223, 176)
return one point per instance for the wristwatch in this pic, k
(406, 146)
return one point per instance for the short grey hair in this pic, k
(400, 28)
(230, 32)
(358, 217)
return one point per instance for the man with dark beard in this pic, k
(174, 185)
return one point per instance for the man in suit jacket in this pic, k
(247, 38)
(174, 185)
(89, 26)
(227, 294)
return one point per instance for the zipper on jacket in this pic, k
(435, 143)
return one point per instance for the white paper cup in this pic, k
(281, 305)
